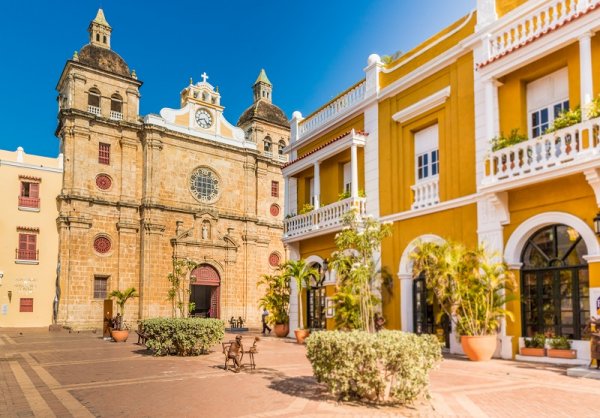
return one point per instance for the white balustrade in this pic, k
(268, 154)
(545, 153)
(329, 216)
(94, 110)
(548, 16)
(426, 193)
(332, 110)
(116, 115)
(283, 158)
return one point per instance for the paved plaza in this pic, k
(61, 374)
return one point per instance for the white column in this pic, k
(585, 72)
(293, 254)
(354, 170)
(317, 186)
(406, 302)
(491, 108)
(286, 197)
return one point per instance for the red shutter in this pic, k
(23, 241)
(34, 190)
(23, 189)
(31, 242)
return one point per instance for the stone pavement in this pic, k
(60, 374)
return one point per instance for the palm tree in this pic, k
(123, 297)
(301, 273)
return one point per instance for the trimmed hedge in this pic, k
(388, 366)
(182, 336)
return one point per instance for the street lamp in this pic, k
(597, 224)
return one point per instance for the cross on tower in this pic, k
(204, 77)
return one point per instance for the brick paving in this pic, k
(46, 374)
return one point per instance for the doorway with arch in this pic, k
(205, 292)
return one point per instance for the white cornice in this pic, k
(450, 204)
(422, 106)
(31, 166)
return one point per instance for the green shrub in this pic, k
(502, 141)
(388, 366)
(537, 341)
(182, 336)
(560, 343)
(565, 119)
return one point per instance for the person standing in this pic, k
(264, 321)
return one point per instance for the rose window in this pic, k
(274, 210)
(102, 245)
(103, 182)
(274, 259)
(204, 184)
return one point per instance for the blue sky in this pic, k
(311, 50)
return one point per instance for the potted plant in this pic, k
(560, 347)
(471, 286)
(277, 301)
(119, 331)
(301, 273)
(535, 346)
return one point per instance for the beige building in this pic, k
(140, 191)
(29, 244)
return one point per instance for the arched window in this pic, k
(555, 283)
(116, 107)
(98, 37)
(104, 39)
(268, 145)
(281, 147)
(94, 101)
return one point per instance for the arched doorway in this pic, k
(315, 300)
(555, 283)
(205, 291)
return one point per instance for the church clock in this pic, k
(203, 118)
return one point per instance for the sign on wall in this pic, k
(595, 301)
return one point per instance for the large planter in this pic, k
(301, 335)
(478, 347)
(560, 353)
(281, 330)
(533, 352)
(120, 336)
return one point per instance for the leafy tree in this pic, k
(179, 291)
(277, 297)
(121, 299)
(301, 273)
(357, 275)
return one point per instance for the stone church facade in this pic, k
(140, 191)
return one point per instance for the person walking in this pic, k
(264, 321)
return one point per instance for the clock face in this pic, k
(203, 118)
(204, 184)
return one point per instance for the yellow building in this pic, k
(29, 245)
(417, 132)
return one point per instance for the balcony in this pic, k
(29, 202)
(268, 154)
(333, 110)
(563, 152)
(27, 255)
(426, 193)
(116, 115)
(541, 18)
(95, 110)
(323, 220)
(283, 158)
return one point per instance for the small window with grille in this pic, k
(104, 153)
(275, 188)
(100, 287)
(26, 305)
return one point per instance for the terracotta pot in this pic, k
(281, 330)
(478, 347)
(120, 336)
(301, 335)
(558, 353)
(533, 352)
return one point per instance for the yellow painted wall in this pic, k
(505, 6)
(44, 273)
(596, 63)
(456, 138)
(512, 97)
(459, 224)
(420, 58)
(357, 123)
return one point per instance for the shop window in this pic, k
(26, 305)
(104, 153)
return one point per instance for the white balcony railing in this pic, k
(545, 153)
(527, 27)
(283, 158)
(94, 110)
(329, 216)
(426, 193)
(116, 115)
(332, 110)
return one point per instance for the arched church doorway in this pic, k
(205, 292)
(555, 283)
(315, 300)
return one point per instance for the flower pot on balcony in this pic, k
(561, 353)
(533, 352)
(478, 347)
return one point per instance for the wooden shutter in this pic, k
(34, 190)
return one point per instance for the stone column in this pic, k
(293, 250)
(317, 186)
(354, 170)
(406, 302)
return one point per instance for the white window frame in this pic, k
(549, 93)
(427, 154)
(347, 173)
